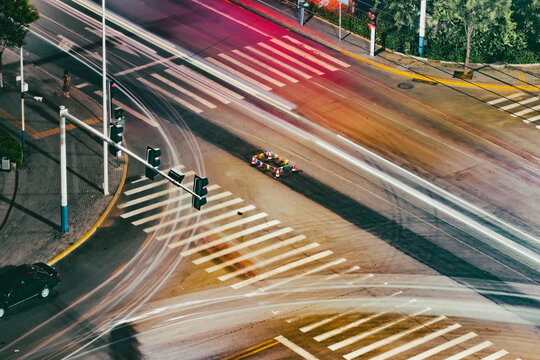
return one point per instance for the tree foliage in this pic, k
(15, 16)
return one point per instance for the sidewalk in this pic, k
(31, 231)
(409, 66)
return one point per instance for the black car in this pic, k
(23, 282)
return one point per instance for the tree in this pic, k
(476, 16)
(15, 16)
(526, 14)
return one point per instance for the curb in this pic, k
(93, 229)
(12, 199)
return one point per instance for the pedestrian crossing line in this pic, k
(306, 273)
(269, 261)
(417, 342)
(145, 187)
(184, 91)
(505, 98)
(269, 68)
(239, 74)
(147, 65)
(131, 111)
(210, 199)
(322, 322)
(316, 52)
(304, 54)
(495, 355)
(354, 268)
(442, 347)
(196, 85)
(184, 207)
(365, 334)
(344, 328)
(297, 349)
(169, 95)
(211, 231)
(251, 70)
(213, 83)
(390, 339)
(149, 197)
(534, 118)
(277, 61)
(526, 111)
(470, 351)
(523, 102)
(281, 269)
(245, 244)
(290, 58)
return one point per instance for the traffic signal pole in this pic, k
(422, 30)
(63, 175)
(105, 101)
(23, 133)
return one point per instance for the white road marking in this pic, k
(297, 349)
(442, 347)
(526, 111)
(146, 187)
(232, 237)
(315, 51)
(414, 343)
(184, 91)
(169, 95)
(304, 54)
(344, 328)
(282, 269)
(502, 99)
(211, 231)
(251, 70)
(269, 261)
(277, 61)
(196, 85)
(244, 245)
(534, 118)
(496, 355)
(80, 86)
(148, 197)
(523, 102)
(470, 351)
(131, 111)
(290, 58)
(147, 65)
(390, 339)
(306, 273)
(238, 73)
(269, 68)
(214, 84)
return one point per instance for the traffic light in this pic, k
(303, 4)
(372, 20)
(199, 188)
(112, 88)
(152, 157)
(176, 175)
(119, 116)
(116, 131)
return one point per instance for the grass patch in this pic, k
(10, 147)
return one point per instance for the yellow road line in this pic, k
(254, 349)
(440, 80)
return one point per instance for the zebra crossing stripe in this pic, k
(290, 58)
(304, 54)
(211, 231)
(297, 349)
(213, 84)
(470, 351)
(243, 245)
(390, 339)
(149, 197)
(416, 342)
(239, 74)
(231, 237)
(442, 347)
(164, 224)
(269, 68)
(277, 61)
(502, 99)
(306, 273)
(534, 118)
(251, 70)
(496, 355)
(523, 102)
(145, 187)
(316, 52)
(269, 261)
(184, 91)
(281, 269)
(344, 328)
(526, 111)
(168, 94)
(197, 85)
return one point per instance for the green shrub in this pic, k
(10, 147)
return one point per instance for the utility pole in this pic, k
(105, 101)
(63, 173)
(422, 31)
(23, 135)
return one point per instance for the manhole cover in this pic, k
(405, 86)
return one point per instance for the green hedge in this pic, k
(10, 147)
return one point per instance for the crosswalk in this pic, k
(246, 249)
(524, 105)
(266, 65)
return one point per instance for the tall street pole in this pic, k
(105, 97)
(422, 31)
(23, 135)
(63, 174)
